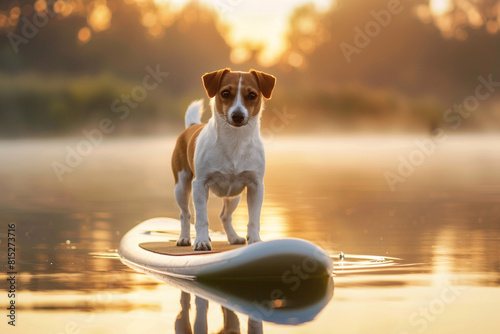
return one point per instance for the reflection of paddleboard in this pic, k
(270, 300)
(150, 247)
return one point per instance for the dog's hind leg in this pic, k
(226, 217)
(182, 194)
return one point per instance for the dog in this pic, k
(225, 155)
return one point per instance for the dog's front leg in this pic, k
(200, 199)
(255, 197)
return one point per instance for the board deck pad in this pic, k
(170, 248)
(151, 247)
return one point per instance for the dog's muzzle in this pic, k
(237, 118)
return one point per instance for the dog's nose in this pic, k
(238, 117)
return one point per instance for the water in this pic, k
(423, 258)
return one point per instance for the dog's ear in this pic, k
(266, 83)
(211, 81)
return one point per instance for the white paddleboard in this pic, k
(148, 247)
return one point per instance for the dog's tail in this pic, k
(193, 113)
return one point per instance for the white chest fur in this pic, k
(229, 159)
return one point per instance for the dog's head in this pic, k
(238, 95)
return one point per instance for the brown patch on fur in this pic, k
(183, 155)
(229, 82)
(266, 83)
(211, 81)
(249, 84)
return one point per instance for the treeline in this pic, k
(55, 84)
(400, 74)
(383, 43)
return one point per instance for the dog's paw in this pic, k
(202, 245)
(184, 242)
(237, 240)
(254, 239)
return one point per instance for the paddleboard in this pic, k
(151, 247)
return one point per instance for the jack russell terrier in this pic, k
(224, 155)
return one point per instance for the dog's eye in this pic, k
(252, 96)
(225, 94)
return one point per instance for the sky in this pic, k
(258, 22)
(265, 22)
(440, 6)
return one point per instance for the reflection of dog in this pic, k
(225, 155)
(231, 321)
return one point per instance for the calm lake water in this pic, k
(441, 220)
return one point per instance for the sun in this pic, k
(440, 7)
(256, 24)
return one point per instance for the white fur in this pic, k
(227, 159)
(193, 113)
(238, 105)
(182, 192)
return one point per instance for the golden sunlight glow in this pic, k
(148, 19)
(174, 4)
(156, 30)
(268, 36)
(443, 256)
(165, 16)
(3, 19)
(84, 35)
(295, 59)
(423, 13)
(273, 220)
(440, 7)
(58, 6)
(239, 55)
(63, 8)
(258, 25)
(492, 27)
(474, 17)
(100, 18)
(15, 12)
(40, 5)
